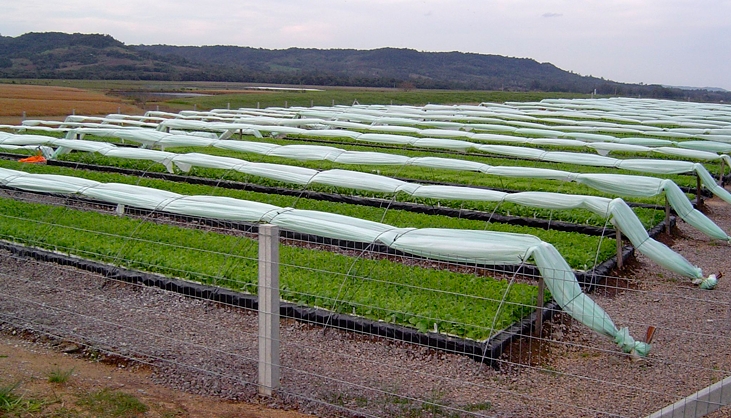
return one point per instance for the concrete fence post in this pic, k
(268, 309)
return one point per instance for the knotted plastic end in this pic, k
(629, 345)
(708, 283)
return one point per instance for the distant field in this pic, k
(145, 95)
(54, 102)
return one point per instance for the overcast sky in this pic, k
(675, 42)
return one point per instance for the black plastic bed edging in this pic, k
(586, 279)
(480, 351)
(358, 200)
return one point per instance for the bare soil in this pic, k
(30, 364)
(55, 103)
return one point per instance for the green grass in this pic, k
(363, 97)
(58, 375)
(104, 403)
(112, 404)
(13, 404)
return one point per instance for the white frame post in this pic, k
(268, 309)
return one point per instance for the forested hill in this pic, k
(81, 56)
(386, 67)
(60, 55)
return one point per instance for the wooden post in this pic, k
(667, 216)
(618, 237)
(720, 175)
(698, 197)
(268, 309)
(538, 330)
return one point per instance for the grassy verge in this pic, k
(104, 403)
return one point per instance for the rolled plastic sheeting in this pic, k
(602, 143)
(548, 135)
(457, 121)
(435, 243)
(617, 184)
(576, 303)
(655, 250)
(645, 165)
(633, 185)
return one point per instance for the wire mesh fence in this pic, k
(363, 331)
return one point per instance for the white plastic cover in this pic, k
(622, 185)
(441, 244)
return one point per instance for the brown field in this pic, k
(54, 102)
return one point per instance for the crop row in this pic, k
(579, 250)
(439, 175)
(649, 217)
(458, 303)
(351, 144)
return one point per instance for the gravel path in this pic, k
(206, 348)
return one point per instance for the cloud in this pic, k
(655, 41)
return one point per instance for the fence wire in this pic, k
(336, 296)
